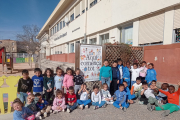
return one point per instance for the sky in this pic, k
(16, 13)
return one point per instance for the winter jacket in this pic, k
(48, 82)
(120, 96)
(126, 73)
(115, 73)
(105, 71)
(59, 102)
(37, 83)
(68, 81)
(151, 75)
(41, 105)
(120, 72)
(71, 98)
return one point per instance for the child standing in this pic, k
(105, 74)
(20, 113)
(59, 102)
(115, 78)
(68, 79)
(106, 96)
(126, 74)
(151, 74)
(96, 98)
(48, 84)
(143, 72)
(120, 67)
(71, 100)
(83, 92)
(136, 88)
(58, 80)
(173, 101)
(120, 98)
(37, 81)
(78, 79)
(24, 86)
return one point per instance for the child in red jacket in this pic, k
(173, 100)
(71, 100)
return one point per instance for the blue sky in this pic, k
(16, 13)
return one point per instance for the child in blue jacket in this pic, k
(120, 98)
(128, 93)
(151, 74)
(105, 74)
(120, 67)
(126, 74)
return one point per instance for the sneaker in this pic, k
(40, 117)
(45, 114)
(94, 107)
(68, 110)
(149, 107)
(165, 113)
(55, 111)
(51, 111)
(63, 110)
(86, 106)
(141, 102)
(152, 107)
(81, 107)
(124, 109)
(97, 107)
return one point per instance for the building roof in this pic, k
(7, 40)
(54, 16)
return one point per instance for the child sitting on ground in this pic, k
(83, 101)
(129, 96)
(106, 96)
(136, 88)
(78, 79)
(153, 84)
(162, 98)
(120, 98)
(21, 113)
(43, 105)
(37, 81)
(68, 79)
(31, 104)
(173, 100)
(58, 80)
(148, 92)
(71, 100)
(96, 98)
(59, 102)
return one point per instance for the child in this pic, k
(24, 86)
(71, 100)
(142, 73)
(106, 96)
(20, 113)
(120, 67)
(136, 88)
(162, 98)
(135, 73)
(59, 102)
(37, 81)
(48, 84)
(83, 101)
(115, 78)
(68, 79)
(173, 101)
(153, 84)
(126, 74)
(43, 105)
(120, 98)
(128, 93)
(96, 98)
(58, 80)
(151, 74)
(105, 74)
(31, 104)
(78, 79)
(148, 92)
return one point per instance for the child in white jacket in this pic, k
(106, 96)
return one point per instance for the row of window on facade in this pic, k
(63, 23)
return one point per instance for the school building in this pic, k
(134, 22)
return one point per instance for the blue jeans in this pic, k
(84, 102)
(132, 82)
(106, 80)
(22, 96)
(116, 104)
(97, 103)
(72, 107)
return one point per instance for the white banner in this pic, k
(90, 61)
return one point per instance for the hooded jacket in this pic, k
(126, 73)
(115, 73)
(151, 75)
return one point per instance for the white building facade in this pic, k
(134, 22)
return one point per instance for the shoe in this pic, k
(51, 111)
(81, 107)
(149, 107)
(124, 109)
(55, 111)
(63, 110)
(152, 107)
(45, 114)
(94, 107)
(165, 113)
(141, 102)
(104, 105)
(40, 117)
(86, 106)
(68, 110)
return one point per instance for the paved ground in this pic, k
(135, 112)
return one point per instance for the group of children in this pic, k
(121, 85)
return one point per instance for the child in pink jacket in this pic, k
(68, 79)
(59, 102)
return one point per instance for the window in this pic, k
(83, 11)
(104, 38)
(72, 48)
(60, 25)
(127, 35)
(12, 43)
(72, 17)
(77, 41)
(84, 41)
(12, 49)
(92, 41)
(64, 24)
(176, 36)
(51, 32)
(93, 3)
(57, 27)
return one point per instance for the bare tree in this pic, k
(27, 39)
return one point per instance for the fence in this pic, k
(11, 81)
